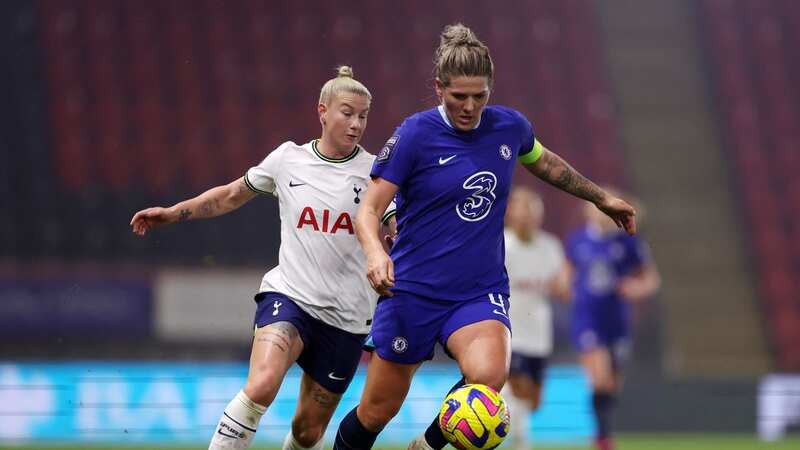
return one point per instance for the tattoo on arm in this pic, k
(184, 215)
(209, 207)
(560, 174)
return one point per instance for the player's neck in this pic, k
(329, 151)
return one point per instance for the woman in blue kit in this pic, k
(450, 170)
(612, 270)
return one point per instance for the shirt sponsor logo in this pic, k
(478, 203)
(308, 218)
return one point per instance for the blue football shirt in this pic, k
(600, 262)
(452, 196)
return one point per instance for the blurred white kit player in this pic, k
(536, 268)
(531, 268)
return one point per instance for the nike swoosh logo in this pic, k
(445, 160)
(226, 434)
(334, 377)
(292, 184)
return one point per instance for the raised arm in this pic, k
(554, 170)
(380, 269)
(211, 203)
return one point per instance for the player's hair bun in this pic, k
(344, 71)
(460, 52)
(458, 35)
(344, 82)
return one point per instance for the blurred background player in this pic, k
(537, 272)
(451, 169)
(315, 306)
(611, 271)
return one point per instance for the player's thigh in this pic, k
(385, 389)
(598, 366)
(275, 348)
(483, 352)
(315, 407)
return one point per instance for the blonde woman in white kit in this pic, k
(315, 307)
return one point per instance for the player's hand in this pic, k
(620, 212)
(380, 272)
(149, 218)
(631, 289)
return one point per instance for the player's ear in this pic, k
(438, 87)
(322, 110)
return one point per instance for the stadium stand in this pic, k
(752, 45)
(174, 97)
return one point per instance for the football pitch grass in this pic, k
(624, 442)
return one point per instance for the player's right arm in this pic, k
(380, 268)
(211, 203)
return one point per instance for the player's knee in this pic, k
(604, 385)
(263, 384)
(488, 376)
(307, 433)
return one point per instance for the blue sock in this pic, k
(433, 435)
(352, 435)
(602, 404)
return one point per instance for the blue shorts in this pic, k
(406, 327)
(528, 366)
(330, 356)
(587, 336)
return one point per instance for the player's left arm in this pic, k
(551, 168)
(642, 284)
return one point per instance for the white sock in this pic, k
(520, 421)
(238, 424)
(290, 443)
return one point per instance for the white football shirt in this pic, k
(531, 267)
(321, 266)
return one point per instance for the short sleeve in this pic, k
(396, 159)
(261, 178)
(391, 210)
(527, 137)
(530, 149)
